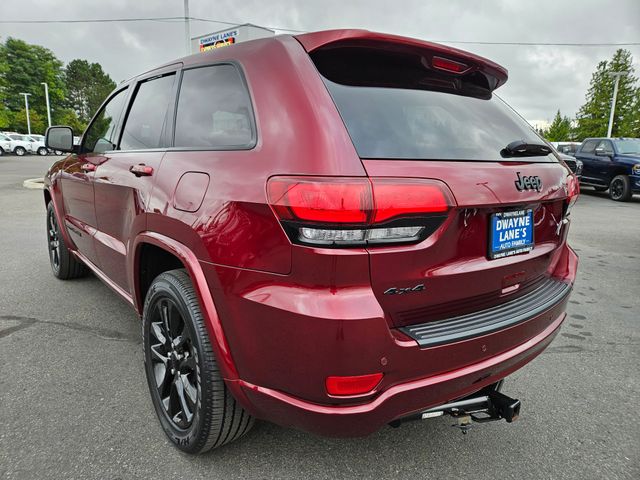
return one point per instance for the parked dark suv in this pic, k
(332, 231)
(613, 164)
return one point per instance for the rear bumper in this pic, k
(286, 340)
(397, 401)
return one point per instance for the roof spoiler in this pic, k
(435, 56)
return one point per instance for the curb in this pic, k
(34, 183)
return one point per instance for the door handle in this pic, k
(88, 167)
(141, 170)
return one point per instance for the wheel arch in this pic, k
(171, 251)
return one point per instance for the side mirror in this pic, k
(59, 138)
(601, 152)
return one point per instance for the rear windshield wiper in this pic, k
(520, 148)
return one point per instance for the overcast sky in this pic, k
(541, 78)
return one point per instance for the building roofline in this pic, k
(231, 28)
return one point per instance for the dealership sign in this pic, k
(216, 40)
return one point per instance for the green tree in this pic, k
(29, 66)
(5, 113)
(593, 116)
(631, 127)
(88, 85)
(560, 129)
(70, 118)
(6, 117)
(37, 121)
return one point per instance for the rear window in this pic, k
(146, 120)
(397, 105)
(401, 123)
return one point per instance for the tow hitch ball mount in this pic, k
(487, 405)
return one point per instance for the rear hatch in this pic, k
(416, 110)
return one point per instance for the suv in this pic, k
(613, 164)
(37, 146)
(10, 144)
(333, 231)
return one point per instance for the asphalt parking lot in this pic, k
(74, 400)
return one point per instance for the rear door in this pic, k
(124, 178)
(409, 121)
(590, 162)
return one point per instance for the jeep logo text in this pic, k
(532, 182)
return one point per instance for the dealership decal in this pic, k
(218, 40)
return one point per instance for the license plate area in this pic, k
(510, 233)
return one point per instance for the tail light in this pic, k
(331, 211)
(353, 385)
(449, 65)
(573, 191)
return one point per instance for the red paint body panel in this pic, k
(282, 316)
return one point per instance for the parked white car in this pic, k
(11, 145)
(40, 139)
(36, 145)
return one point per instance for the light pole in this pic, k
(26, 107)
(46, 97)
(617, 76)
(187, 28)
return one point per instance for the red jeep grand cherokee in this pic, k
(332, 231)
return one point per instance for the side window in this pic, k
(100, 136)
(214, 109)
(589, 147)
(147, 116)
(606, 146)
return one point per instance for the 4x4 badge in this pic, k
(401, 291)
(532, 182)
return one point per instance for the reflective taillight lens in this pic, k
(321, 199)
(401, 198)
(573, 191)
(334, 211)
(352, 385)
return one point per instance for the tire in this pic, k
(63, 264)
(20, 151)
(42, 151)
(1, 151)
(600, 189)
(178, 360)
(620, 189)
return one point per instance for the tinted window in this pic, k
(100, 137)
(147, 115)
(589, 146)
(403, 123)
(606, 146)
(214, 109)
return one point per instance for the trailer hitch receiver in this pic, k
(487, 405)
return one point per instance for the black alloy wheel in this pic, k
(620, 188)
(53, 238)
(64, 264)
(174, 360)
(195, 408)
